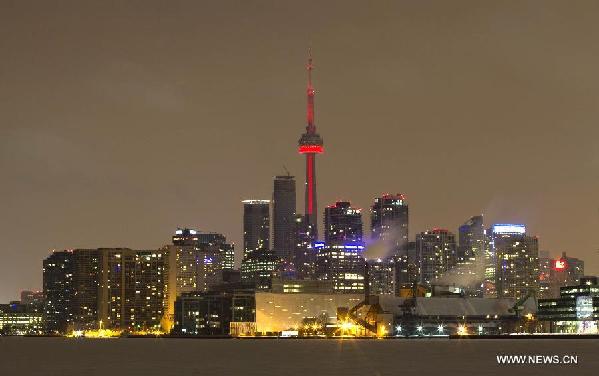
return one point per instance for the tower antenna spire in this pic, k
(310, 127)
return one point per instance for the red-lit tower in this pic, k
(310, 144)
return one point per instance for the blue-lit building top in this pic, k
(508, 228)
(512, 261)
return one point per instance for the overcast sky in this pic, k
(121, 121)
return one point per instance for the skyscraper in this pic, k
(284, 216)
(256, 226)
(389, 229)
(516, 257)
(470, 271)
(341, 258)
(58, 292)
(389, 222)
(215, 245)
(311, 144)
(437, 254)
(342, 223)
(259, 262)
(87, 277)
(185, 264)
(304, 254)
(199, 258)
(343, 264)
(472, 240)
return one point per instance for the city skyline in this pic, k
(126, 163)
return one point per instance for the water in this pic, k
(161, 357)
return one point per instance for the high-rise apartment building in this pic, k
(381, 274)
(343, 264)
(58, 292)
(389, 222)
(342, 223)
(389, 229)
(256, 226)
(436, 254)
(105, 288)
(516, 256)
(471, 250)
(304, 258)
(259, 262)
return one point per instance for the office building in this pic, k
(259, 269)
(213, 313)
(575, 311)
(17, 318)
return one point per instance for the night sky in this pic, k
(120, 122)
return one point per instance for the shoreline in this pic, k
(447, 337)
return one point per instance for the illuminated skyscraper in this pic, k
(284, 216)
(516, 257)
(343, 264)
(471, 250)
(342, 223)
(199, 258)
(304, 254)
(185, 264)
(341, 258)
(259, 262)
(108, 288)
(437, 253)
(389, 230)
(389, 223)
(215, 245)
(311, 144)
(472, 240)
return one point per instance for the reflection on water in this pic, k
(160, 357)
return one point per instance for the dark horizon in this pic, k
(121, 123)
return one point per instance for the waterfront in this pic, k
(167, 356)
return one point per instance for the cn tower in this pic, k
(310, 144)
